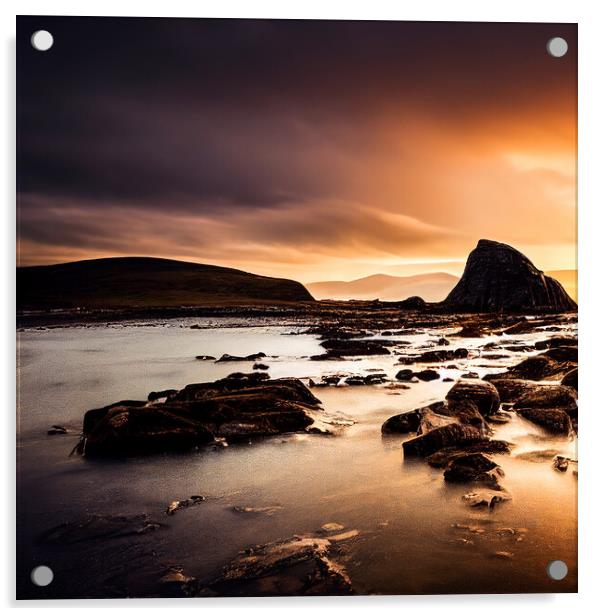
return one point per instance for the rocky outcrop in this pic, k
(473, 467)
(301, 565)
(452, 435)
(498, 278)
(483, 394)
(551, 406)
(241, 406)
(402, 423)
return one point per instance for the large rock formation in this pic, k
(498, 278)
(239, 407)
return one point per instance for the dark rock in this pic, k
(482, 393)
(510, 389)
(470, 375)
(427, 375)
(442, 458)
(570, 379)
(439, 355)
(404, 375)
(252, 357)
(443, 342)
(470, 331)
(412, 303)
(156, 395)
(402, 423)
(350, 348)
(563, 353)
(234, 408)
(260, 367)
(562, 341)
(536, 368)
(205, 357)
(499, 278)
(554, 420)
(452, 435)
(549, 396)
(464, 411)
(475, 467)
(300, 566)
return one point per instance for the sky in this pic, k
(312, 150)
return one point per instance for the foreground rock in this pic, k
(452, 435)
(176, 505)
(484, 395)
(554, 407)
(474, 467)
(498, 278)
(337, 348)
(302, 565)
(443, 457)
(537, 368)
(239, 407)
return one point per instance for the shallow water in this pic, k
(403, 510)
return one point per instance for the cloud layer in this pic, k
(309, 149)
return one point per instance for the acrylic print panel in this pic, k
(296, 308)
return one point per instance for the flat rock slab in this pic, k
(302, 565)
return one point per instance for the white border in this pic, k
(587, 14)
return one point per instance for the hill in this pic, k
(432, 287)
(146, 282)
(499, 278)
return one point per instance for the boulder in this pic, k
(553, 420)
(427, 375)
(412, 303)
(476, 467)
(238, 407)
(348, 348)
(405, 375)
(442, 458)
(484, 395)
(452, 435)
(510, 389)
(402, 423)
(498, 278)
(549, 396)
(563, 353)
(570, 379)
(301, 566)
(535, 368)
(252, 357)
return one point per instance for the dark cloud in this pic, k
(260, 128)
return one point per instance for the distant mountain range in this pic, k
(146, 282)
(431, 287)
